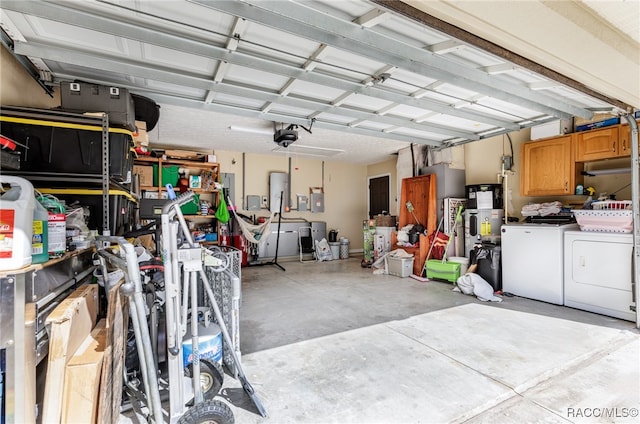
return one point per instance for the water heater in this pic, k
(278, 186)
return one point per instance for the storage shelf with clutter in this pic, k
(185, 170)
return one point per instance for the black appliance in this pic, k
(488, 258)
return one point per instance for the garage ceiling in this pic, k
(366, 80)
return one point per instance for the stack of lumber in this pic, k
(82, 384)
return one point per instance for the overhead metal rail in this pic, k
(481, 105)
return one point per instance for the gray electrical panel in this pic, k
(303, 203)
(317, 202)
(278, 190)
(253, 202)
(228, 181)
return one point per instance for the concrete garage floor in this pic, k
(332, 343)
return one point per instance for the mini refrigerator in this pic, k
(533, 260)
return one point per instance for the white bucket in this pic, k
(335, 249)
(16, 223)
(464, 263)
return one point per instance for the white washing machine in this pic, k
(532, 260)
(598, 273)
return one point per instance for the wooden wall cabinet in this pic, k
(599, 144)
(548, 167)
(624, 145)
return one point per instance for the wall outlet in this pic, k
(265, 202)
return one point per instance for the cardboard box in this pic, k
(82, 378)
(211, 158)
(146, 174)
(69, 324)
(111, 381)
(579, 122)
(140, 136)
(194, 181)
(151, 194)
(551, 129)
(599, 124)
(183, 154)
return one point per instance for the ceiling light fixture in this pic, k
(250, 130)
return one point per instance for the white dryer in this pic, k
(598, 273)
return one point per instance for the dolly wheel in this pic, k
(211, 377)
(208, 412)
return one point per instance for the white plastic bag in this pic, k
(474, 284)
(323, 250)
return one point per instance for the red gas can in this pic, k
(240, 243)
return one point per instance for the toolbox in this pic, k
(449, 271)
(115, 101)
(67, 148)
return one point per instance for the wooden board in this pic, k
(82, 378)
(69, 324)
(112, 367)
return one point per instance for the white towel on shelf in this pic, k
(543, 209)
(530, 209)
(550, 208)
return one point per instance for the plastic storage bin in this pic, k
(400, 267)
(192, 207)
(85, 97)
(449, 271)
(63, 148)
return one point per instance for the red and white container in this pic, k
(17, 203)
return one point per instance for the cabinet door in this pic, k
(597, 144)
(624, 145)
(547, 167)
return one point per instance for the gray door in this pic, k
(378, 195)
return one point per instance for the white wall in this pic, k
(345, 188)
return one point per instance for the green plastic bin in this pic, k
(169, 175)
(193, 207)
(449, 271)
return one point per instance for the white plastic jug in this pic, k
(16, 223)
